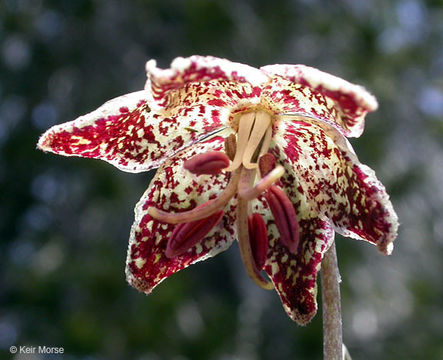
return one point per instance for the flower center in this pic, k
(254, 134)
(253, 171)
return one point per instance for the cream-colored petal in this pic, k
(128, 134)
(175, 189)
(336, 186)
(305, 90)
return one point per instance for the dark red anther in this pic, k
(284, 217)
(209, 163)
(231, 146)
(187, 235)
(258, 237)
(266, 164)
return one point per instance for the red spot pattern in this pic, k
(296, 277)
(283, 96)
(216, 102)
(87, 140)
(352, 112)
(131, 138)
(197, 84)
(150, 237)
(335, 185)
(333, 99)
(368, 215)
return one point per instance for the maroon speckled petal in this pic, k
(295, 274)
(308, 91)
(322, 167)
(205, 81)
(175, 189)
(128, 134)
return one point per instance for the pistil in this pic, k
(261, 125)
(244, 130)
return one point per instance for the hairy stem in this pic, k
(332, 323)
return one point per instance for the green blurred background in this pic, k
(64, 222)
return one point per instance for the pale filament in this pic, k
(200, 212)
(247, 192)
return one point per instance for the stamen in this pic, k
(262, 122)
(284, 217)
(258, 237)
(200, 212)
(209, 163)
(230, 146)
(266, 163)
(185, 236)
(245, 124)
(248, 193)
(245, 246)
(266, 141)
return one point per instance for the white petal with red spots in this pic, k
(175, 189)
(295, 275)
(198, 81)
(322, 95)
(126, 133)
(337, 187)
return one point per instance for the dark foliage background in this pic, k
(64, 223)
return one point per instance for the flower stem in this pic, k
(332, 323)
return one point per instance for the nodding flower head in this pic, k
(257, 155)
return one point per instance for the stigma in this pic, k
(253, 171)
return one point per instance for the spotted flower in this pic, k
(257, 155)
